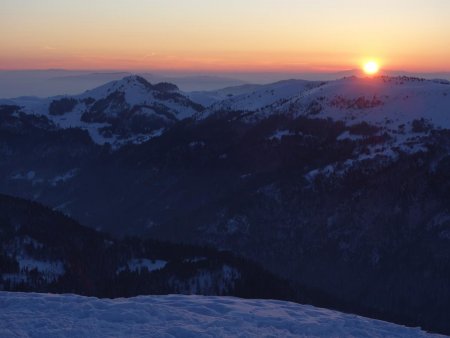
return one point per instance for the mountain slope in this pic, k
(43, 250)
(252, 97)
(119, 112)
(383, 101)
(401, 112)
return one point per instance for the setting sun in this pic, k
(371, 68)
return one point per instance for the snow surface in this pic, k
(279, 134)
(389, 102)
(47, 315)
(253, 97)
(207, 98)
(138, 264)
(63, 177)
(49, 270)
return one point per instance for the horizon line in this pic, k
(218, 71)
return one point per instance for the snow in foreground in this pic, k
(43, 315)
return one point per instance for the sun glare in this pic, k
(371, 68)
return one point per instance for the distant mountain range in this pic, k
(56, 82)
(51, 82)
(341, 187)
(132, 110)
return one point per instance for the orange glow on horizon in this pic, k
(232, 35)
(226, 61)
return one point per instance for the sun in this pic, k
(371, 68)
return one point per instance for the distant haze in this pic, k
(44, 83)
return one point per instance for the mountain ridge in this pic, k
(45, 251)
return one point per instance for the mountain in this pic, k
(181, 316)
(195, 82)
(381, 101)
(186, 82)
(43, 250)
(119, 112)
(51, 82)
(251, 97)
(340, 187)
(400, 111)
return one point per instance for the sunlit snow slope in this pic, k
(44, 315)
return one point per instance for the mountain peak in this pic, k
(133, 83)
(133, 80)
(141, 81)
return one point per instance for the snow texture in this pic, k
(253, 97)
(143, 263)
(383, 101)
(46, 315)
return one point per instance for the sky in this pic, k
(225, 35)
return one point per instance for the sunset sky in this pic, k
(244, 35)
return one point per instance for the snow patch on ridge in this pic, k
(138, 264)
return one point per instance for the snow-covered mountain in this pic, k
(388, 102)
(391, 102)
(252, 97)
(45, 315)
(132, 110)
(119, 112)
(402, 112)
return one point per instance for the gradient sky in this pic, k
(249, 35)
